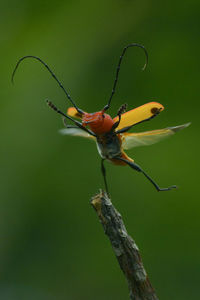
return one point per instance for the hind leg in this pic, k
(139, 169)
(103, 170)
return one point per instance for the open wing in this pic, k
(130, 140)
(72, 112)
(76, 132)
(138, 114)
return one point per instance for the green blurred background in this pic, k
(52, 246)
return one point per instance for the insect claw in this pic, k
(174, 187)
(167, 189)
(122, 109)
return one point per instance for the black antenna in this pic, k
(53, 75)
(118, 68)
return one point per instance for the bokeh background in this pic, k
(52, 246)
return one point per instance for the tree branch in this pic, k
(125, 249)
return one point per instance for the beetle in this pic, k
(111, 134)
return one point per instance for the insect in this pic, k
(111, 134)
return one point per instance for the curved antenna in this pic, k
(53, 75)
(118, 68)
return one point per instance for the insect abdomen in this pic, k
(109, 146)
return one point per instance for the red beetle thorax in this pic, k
(98, 122)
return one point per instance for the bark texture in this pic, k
(125, 249)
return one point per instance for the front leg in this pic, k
(121, 110)
(67, 125)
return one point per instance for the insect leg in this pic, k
(116, 124)
(121, 110)
(68, 117)
(67, 125)
(103, 170)
(125, 129)
(139, 169)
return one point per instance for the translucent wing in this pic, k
(138, 114)
(76, 132)
(130, 140)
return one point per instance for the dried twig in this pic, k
(125, 249)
